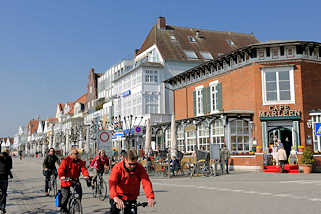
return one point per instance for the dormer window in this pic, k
(172, 37)
(191, 39)
(206, 55)
(190, 54)
(230, 42)
(275, 53)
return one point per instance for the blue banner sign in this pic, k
(125, 93)
(317, 128)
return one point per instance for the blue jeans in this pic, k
(4, 187)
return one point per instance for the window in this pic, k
(316, 138)
(230, 42)
(278, 85)
(180, 139)
(168, 138)
(214, 96)
(172, 37)
(206, 55)
(218, 132)
(190, 54)
(289, 52)
(191, 39)
(151, 104)
(199, 100)
(239, 130)
(203, 137)
(275, 53)
(260, 53)
(190, 140)
(151, 76)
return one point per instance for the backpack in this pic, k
(58, 198)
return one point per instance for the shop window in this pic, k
(190, 140)
(180, 139)
(239, 136)
(218, 133)
(203, 137)
(278, 85)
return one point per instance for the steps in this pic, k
(277, 169)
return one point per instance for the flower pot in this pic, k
(259, 150)
(300, 149)
(307, 169)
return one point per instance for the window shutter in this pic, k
(204, 100)
(219, 97)
(194, 102)
(208, 99)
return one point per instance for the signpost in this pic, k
(104, 141)
(317, 128)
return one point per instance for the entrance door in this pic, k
(284, 134)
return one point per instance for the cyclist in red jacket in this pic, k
(71, 167)
(100, 163)
(124, 183)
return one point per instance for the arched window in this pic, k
(239, 135)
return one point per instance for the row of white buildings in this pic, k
(127, 94)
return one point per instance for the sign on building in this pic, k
(317, 128)
(215, 151)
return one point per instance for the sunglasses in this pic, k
(132, 164)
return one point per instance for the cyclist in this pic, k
(49, 167)
(100, 162)
(71, 167)
(124, 183)
(5, 167)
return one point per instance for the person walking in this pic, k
(49, 167)
(224, 157)
(5, 171)
(282, 157)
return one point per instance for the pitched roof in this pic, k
(32, 126)
(52, 119)
(82, 99)
(172, 41)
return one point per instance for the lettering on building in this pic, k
(280, 111)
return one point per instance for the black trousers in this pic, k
(115, 210)
(47, 180)
(65, 192)
(4, 187)
(282, 162)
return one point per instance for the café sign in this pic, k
(280, 112)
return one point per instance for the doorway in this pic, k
(284, 134)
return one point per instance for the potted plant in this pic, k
(300, 148)
(307, 160)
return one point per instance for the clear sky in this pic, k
(48, 46)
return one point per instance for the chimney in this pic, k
(92, 70)
(136, 52)
(161, 23)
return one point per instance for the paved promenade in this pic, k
(248, 193)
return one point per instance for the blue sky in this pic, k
(47, 47)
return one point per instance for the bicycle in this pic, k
(100, 187)
(53, 184)
(74, 205)
(202, 167)
(132, 207)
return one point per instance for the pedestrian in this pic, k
(224, 157)
(5, 171)
(20, 155)
(282, 157)
(293, 157)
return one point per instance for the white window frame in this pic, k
(316, 118)
(292, 92)
(192, 138)
(180, 139)
(199, 106)
(211, 85)
(240, 135)
(216, 125)
(203, 127)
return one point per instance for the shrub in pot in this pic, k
(307, 160)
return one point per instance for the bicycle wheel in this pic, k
(75, 207)
(102, 190)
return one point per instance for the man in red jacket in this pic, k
(71, 167)
(124, 183)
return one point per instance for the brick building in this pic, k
(248, 98)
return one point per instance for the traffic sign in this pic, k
(138, 129)
(104, 136)
(104, 141)
(317, 128)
